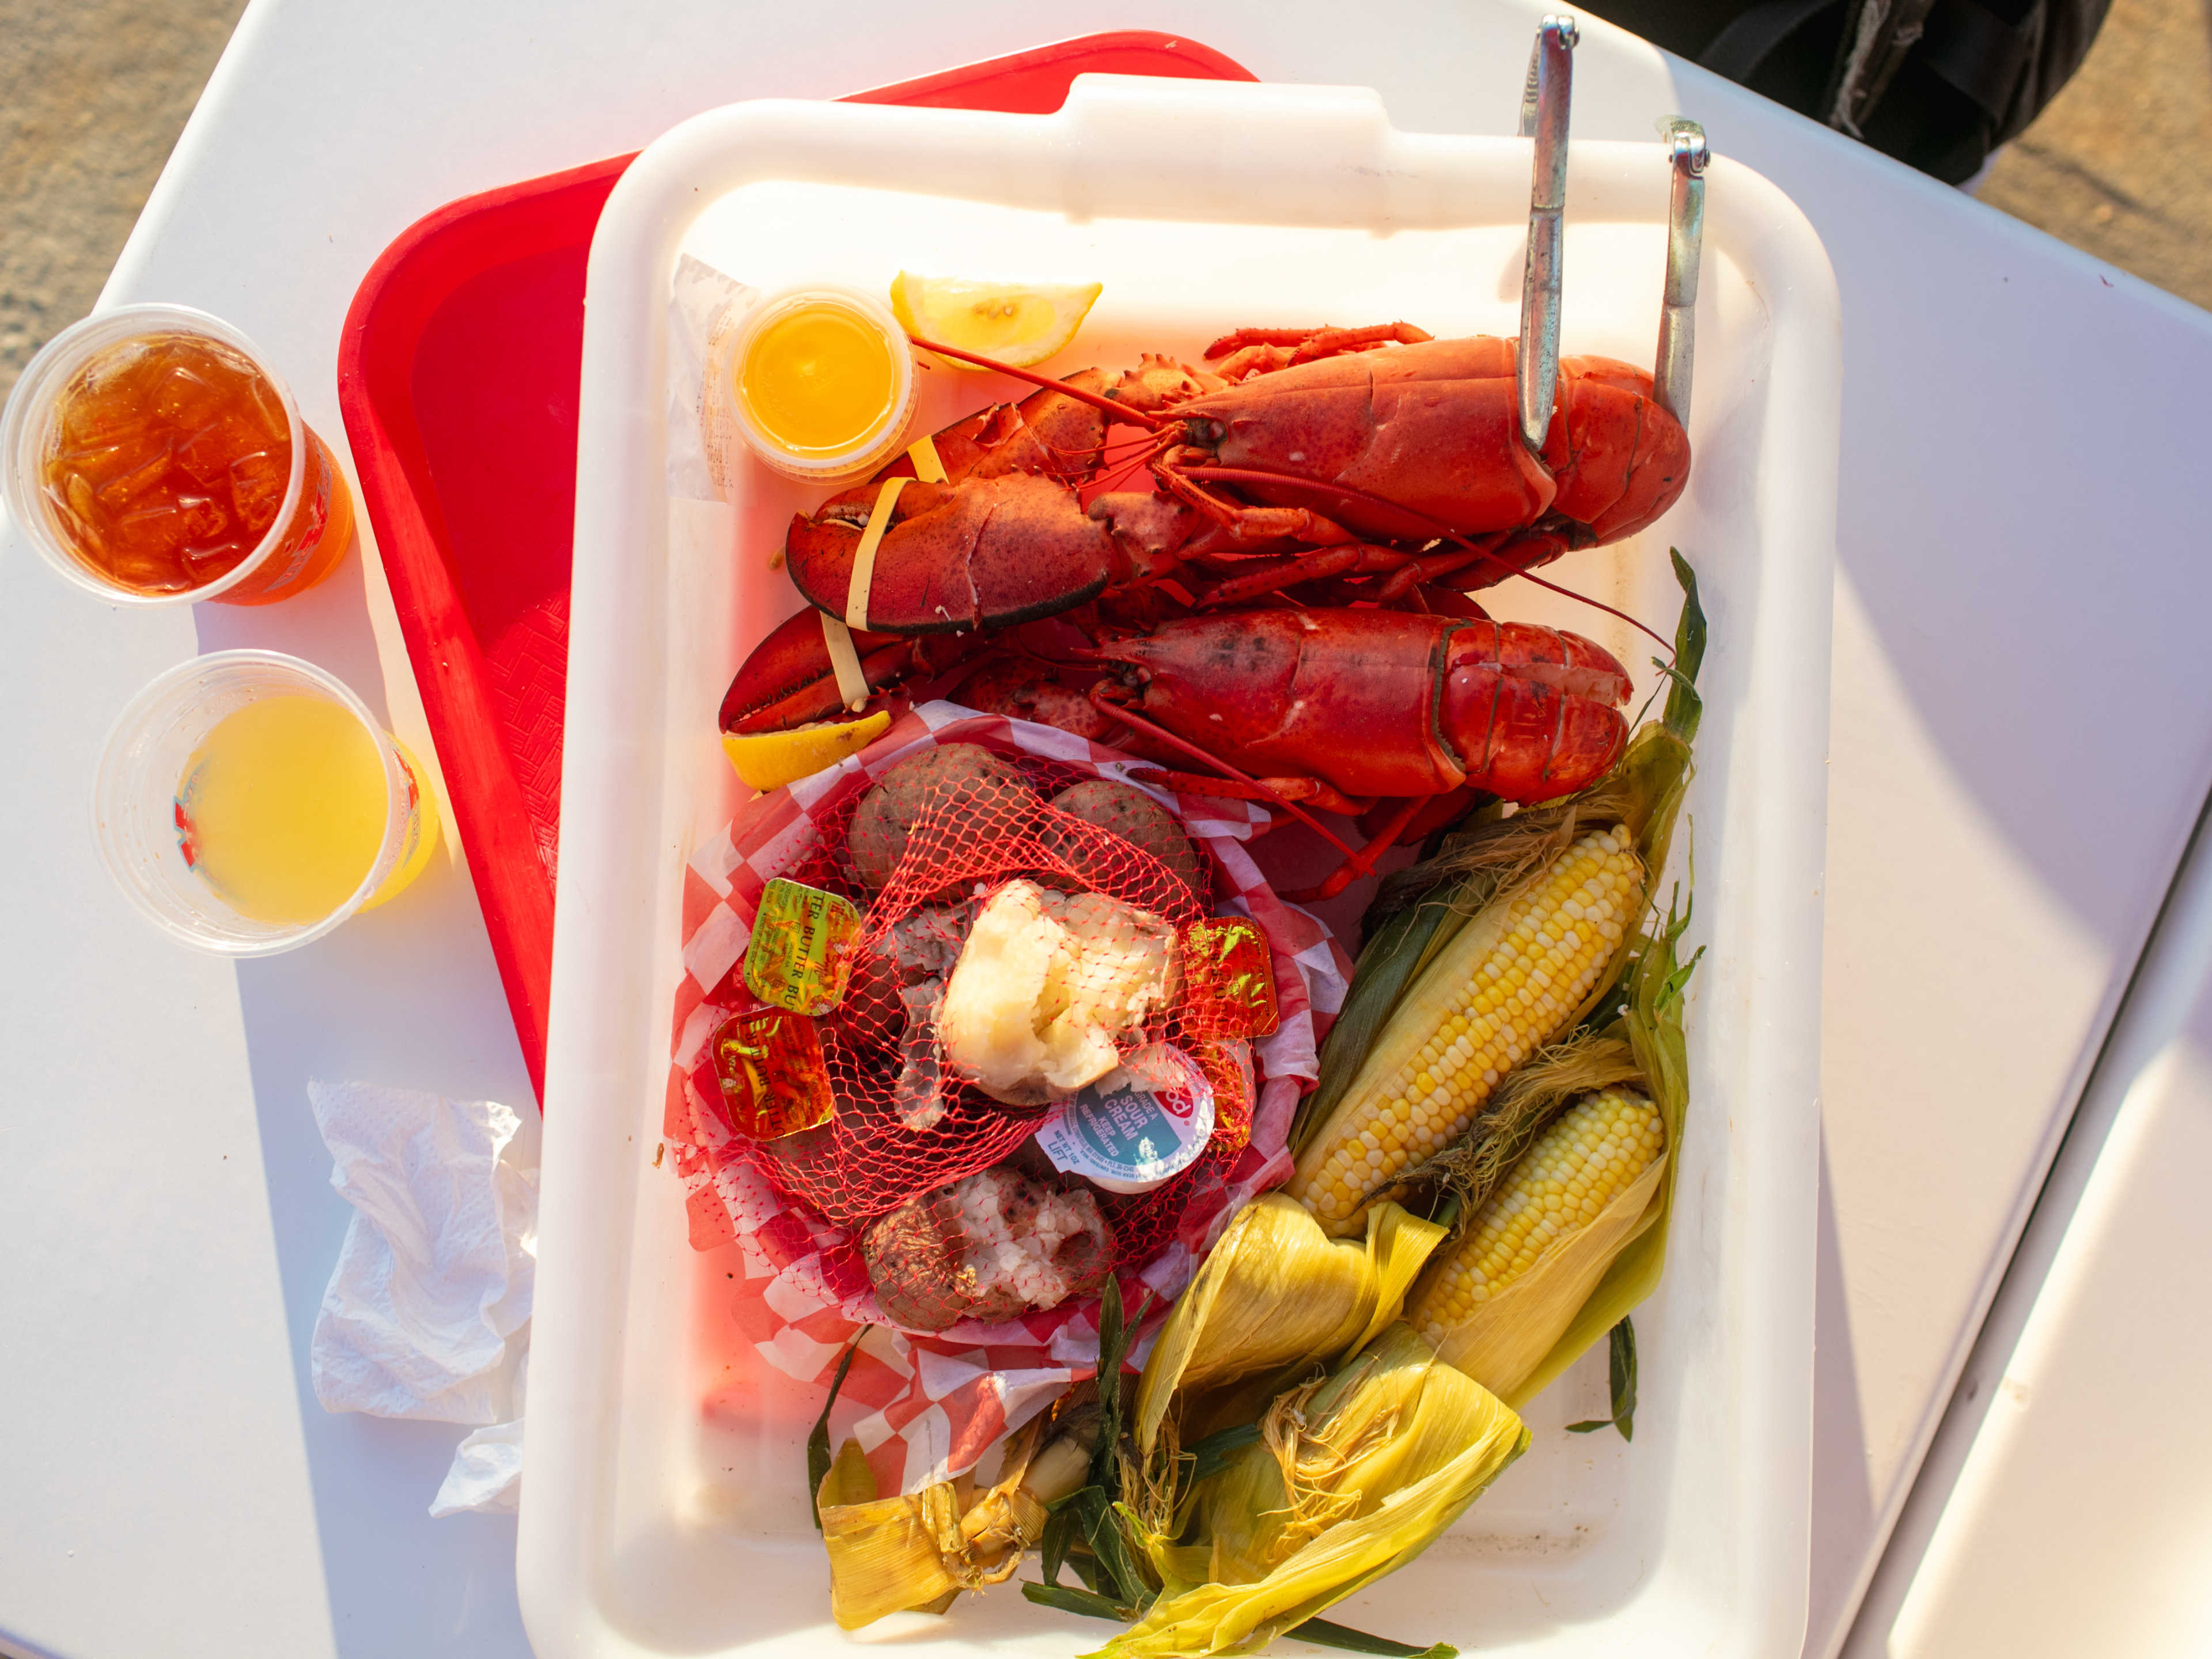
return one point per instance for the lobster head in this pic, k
(1402, 443)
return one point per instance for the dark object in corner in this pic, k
(1939, 84)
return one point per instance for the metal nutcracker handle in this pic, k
(1544, 106)
(1686, 234)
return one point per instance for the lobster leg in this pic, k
(1351, 559)
(1402, 581)
(1108, 705)
(1247, 523)
(1436, 812)
(1249, 351)
(1269, 791)
(1363, 862)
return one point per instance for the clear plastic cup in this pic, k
(303, 543)
(877, 444)
(138, 815)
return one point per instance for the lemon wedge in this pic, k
(769, 760)
(1019, 326)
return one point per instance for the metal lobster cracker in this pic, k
(1286, 608)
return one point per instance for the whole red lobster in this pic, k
(1387, 712)
(1398, 714)
(1305, 455)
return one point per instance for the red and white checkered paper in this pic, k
(924, 1408)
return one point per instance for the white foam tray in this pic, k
(664, 1511)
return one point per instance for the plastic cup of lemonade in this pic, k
(819, 381)
(247, 802)
(153, 456)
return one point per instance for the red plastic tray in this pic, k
(456, 375)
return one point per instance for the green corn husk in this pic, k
(1353, 1477)
(1275, 1300)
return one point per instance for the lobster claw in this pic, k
(985, 552)
(789, 681)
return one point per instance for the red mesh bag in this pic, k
(907, 1122)
(800, 1204)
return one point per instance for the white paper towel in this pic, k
(487, 1471)
(426, 1316)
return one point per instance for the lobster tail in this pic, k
(1534, 712)
(1619, 459)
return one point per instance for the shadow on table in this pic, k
(405, 996)
(1843, 1503)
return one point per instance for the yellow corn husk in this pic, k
(1275, 1298)
(1497, 1301)
(1511, 981)
(915, 1553)
(1355, 1476)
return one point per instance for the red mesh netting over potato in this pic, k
(923, 851)
(798, 1284)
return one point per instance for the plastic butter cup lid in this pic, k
(1140, 1125)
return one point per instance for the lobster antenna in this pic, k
(1537, 364)
(1686, 235)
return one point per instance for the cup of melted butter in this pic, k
(819, 380)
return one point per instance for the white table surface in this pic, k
(2063, 1507)
(2022, 735)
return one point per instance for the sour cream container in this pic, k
(1140, 1125)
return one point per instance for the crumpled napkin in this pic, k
(487, 1471)
(427, 1310)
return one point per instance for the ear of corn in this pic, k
(1498, 1300)
(1512, 979)
(1275, 1295)
(1652, 1024)
(1355, 1476)
(1394, 950)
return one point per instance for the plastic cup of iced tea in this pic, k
(153, 456)
(247, 803)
